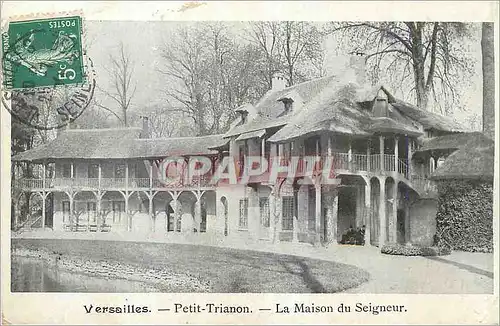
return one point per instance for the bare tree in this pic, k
(429, 54)
(184, 69)
(121, 90)
(293, 47)
(209, 74)
(488, 65)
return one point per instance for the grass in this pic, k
(228, 270)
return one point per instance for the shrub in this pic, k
(413, 250)
(464, 220)
(354, 236)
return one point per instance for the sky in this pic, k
(144, 40)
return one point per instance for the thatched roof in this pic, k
(270, 108)
(162, 147)
(337, 110)
(388, 125)
(474, 160)
(116, 144)
(338, 104)
(451, 142)
(84, 143)
(428, 119)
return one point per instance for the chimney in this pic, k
(357, 62)
(278, 82)
(146, 131)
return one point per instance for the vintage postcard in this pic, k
(249, 162)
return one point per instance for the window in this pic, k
(66, 170)
(93, 171)
(288, 105)
(243, 222)
(132, 170)
(288, 213)
(66, 211)
(264, 212)
(91, 212)
(120, 171)
(118, 210)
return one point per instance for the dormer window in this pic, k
(243, 112)
(380, 105)
(288, 105)
(244, 117)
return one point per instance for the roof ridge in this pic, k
(101, 129)
(307, 82)
(188, 137)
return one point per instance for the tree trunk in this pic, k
(488, 56)
(419, 67)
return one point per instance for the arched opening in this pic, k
(162, 211)
(374, 204)
(350, 206)
(208, 211)
(406, 197)
(390, 201)
(187, 210)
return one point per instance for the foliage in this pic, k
(354, 236)
(465, 215)
(413, 250)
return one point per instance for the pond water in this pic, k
(37, 275)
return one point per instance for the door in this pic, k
(265, 217)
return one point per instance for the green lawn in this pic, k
(228, 270)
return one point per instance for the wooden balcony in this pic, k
(108, 184)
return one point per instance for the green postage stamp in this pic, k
(43, 52)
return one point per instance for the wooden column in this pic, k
(176, 213)
(198, 214)
(71, 211)
(367, 214)
(126, 175)
(331, 205)
(381, 214)
(44, 176)
(295, 218)
(99, 175)
(381, 144)
(150, 212)
(44, 196)
(349, 155)
(393, 236)
(272, 216)
(72, 171)
(151, 174)
(396, 154)
(368, 152)
(318, 214)
(409, 155)
(129, 219)
(407, 221)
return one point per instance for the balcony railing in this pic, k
(340, 162)
(109, 183)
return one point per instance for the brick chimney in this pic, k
(278, 82)
(146, 130)
(357, 62)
